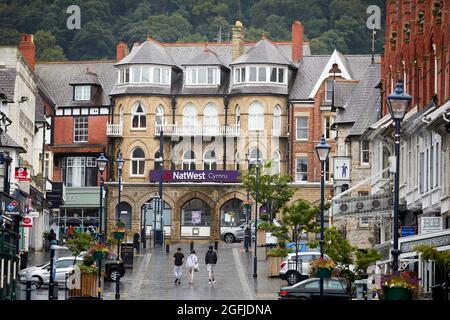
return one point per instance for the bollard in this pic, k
(29, 283)
(117, 296)
(216, 245)
(167, 247)
(192, 245)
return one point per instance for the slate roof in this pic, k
(205, 58)
(342, 90)
(148, 52)
(39, 109)
(8, 142)
(311, 67)
(56, 78)
(86, 77)
(263, 52)
(7, 83)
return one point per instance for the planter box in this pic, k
(396, 294)
(88, 287)
(323, 273)
(273, 266)
(261, 238)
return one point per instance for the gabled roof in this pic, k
(205, 58)
(263, 52)
(149, 52)
(7, 83)
(56, 77)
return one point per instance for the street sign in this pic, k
(408, 231)
(33, 214)
(27, 222)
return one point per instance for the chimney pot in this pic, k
(28, 49)
(121, 51)
(238, 32)
(297, 41)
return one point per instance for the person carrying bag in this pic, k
(192, 265)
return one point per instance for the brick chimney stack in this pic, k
(297, 41)
(121, 51)
(28, 49)
(238, 32)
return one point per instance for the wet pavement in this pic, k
(152, 277)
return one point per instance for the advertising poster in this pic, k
(196, 217)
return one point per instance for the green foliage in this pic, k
(46, 47)
(328, 23)
(80, 242)
(278, 252)
(430, 253)
(366, 258)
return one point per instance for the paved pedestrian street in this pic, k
(152, 276)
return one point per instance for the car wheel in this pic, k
(114, 274)
(229, 238)
(292, 277)
(38, 280)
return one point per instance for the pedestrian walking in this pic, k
(70, 232)
(192, 265)
(52, 237)
(210, 261)
(136, 242)
(178, 259)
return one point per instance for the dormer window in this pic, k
(260, 74)
(82, 93)
(329, 86)
(145, 75)
(202, 76)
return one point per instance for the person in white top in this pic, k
(192, 265)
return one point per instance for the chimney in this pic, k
(28, 49)
(121, 51)
(297, 41)
(238, 32)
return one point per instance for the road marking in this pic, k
(241, 275)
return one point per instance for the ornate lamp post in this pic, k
(322, 150)
(120, 163)
(398, 102)
(102, 161)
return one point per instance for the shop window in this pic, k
(196, 213)
(232, 213)
(125, 213)
(152, 214)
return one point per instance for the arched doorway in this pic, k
(232, 214)
(152, 219)
(196, 219)
(125, 213)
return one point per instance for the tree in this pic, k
(80, 242)
(46, 47)
(94, 40)
(169, 29)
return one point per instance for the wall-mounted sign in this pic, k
(27, 222)
(438, 241)
(219, 176)
(22, 174)
(408, 231)
(341, 168)
(431, 224)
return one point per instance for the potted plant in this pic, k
(322, 268)
(88, 284)
(80, 242)
(119, 230)
(400, 286)
(99, 251)
(274, 258)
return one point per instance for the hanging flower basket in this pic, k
(99, 252)
(323, 273)
(99, 255)
(396, 293)
(119, 234)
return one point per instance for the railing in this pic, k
(114, 129)
(232, 130)
(8, 243)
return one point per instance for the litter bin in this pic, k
(437, 292)
(159, 237)
(55, 290)
(23, 260)
(27, 290)
(361, 289)
(127, 254)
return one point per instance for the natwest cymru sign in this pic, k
(219, 176)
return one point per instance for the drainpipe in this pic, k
(226, 103)
(289, 140)
(173, 103)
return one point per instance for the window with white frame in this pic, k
(364, 222)
(189, 160)
(260, 74)
(159, 115)
(255, 157)
(82, 93)
(209, 160)
(256, 116)
(301, 126)
(211, 118)
(238, 115)
(137, 162)
(276, 120)
(145, 74)
(409, 165)
(327, 170)
(139, 119)
(301, 171)
(203, 76)
(124, 75)
(80, 129)
(276, 162)
(236, 161)
(190, 116)
(365, 151)
(328, 132)
(329, 86)
(79, 171)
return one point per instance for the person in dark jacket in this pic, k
(136, 242)
(52, 237)
(210, 261)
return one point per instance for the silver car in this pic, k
(41, 274)
(233, 234)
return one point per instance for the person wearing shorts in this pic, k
(210, 261)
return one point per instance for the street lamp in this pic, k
(398, 102)
(322, 150)
(120, 163)
(257, 166)
(101, 165)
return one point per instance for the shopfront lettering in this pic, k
(435, 241)
(218, 176)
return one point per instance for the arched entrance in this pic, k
(196, 219)
(232, 214)
(125, 213)
(152, 218)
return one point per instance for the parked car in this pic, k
(234, 234)
(294, 272)
(113, 267)
(309, 289)
(41, 274)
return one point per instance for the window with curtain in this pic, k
(189, 160)
(276, 162)
(139, 120)
(137, 162)
(159, 115)
(210, 161)
(301, 172)
(256, 117)
(301, 128)
(211, 119)
(276, 121)
(190, 117)
(79, 171)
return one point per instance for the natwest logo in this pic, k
(219, 176)
(188, 175)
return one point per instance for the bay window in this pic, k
(260, 74)
(79, 171)
(203, 76)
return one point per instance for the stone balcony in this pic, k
(231, 130)
(114, 129)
